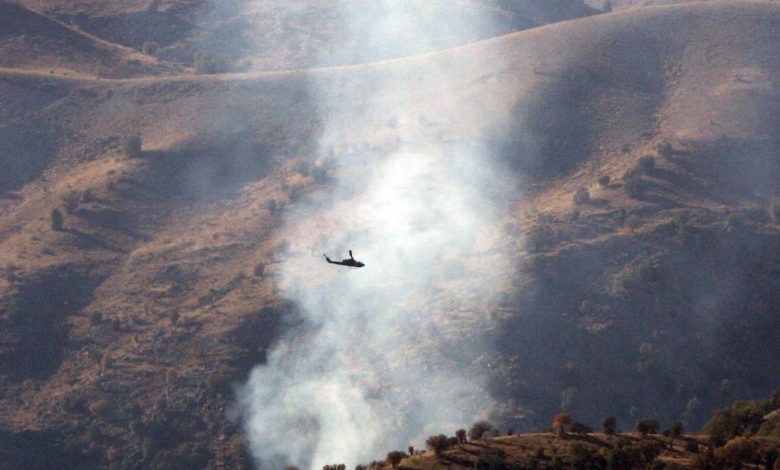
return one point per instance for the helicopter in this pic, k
(350, 262)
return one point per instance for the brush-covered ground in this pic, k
(655, 292)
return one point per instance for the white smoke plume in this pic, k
(382, 355)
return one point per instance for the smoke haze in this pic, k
(380, 359)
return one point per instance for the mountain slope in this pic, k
(30, 41)
(281, 35)
(175, 254)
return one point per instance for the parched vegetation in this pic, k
(744, 433)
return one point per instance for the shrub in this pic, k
(57, 220)
(620, 458)
(677, 429)
(438, 443)
(649, 450)
(71, 201)
(337, 466)
(692, 446)
(634, 185)
(609, 425)
(582, 196)
(479, 429)
(647, 426)
(150, 48)
(132, 146)
(95, 318)
(461, 435)
(394, 458)
(583, 457)
(604, 181)
(99, 408)
(646, 164)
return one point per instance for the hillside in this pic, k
(32, 42)
(281, 35)
(124, 333)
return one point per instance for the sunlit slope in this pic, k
(177, 250)
(31, 41)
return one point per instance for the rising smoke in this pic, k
(382, 358)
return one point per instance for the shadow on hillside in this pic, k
(746, 167)
(36, 333)
(91, 241)
(25, 151)
(208, 171)
(111, 219)
(40, 449)
(256, 335)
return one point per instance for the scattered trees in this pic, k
(461, 435)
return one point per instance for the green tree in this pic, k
(438, 444)
(582, 196)
(647, 426)
(580, 428)
(561, 423)
(394, 458)
(677, 430)
(609, 425)
(479, 429)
